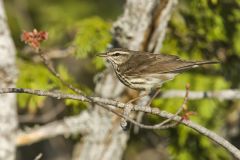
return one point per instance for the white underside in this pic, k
(153, 81)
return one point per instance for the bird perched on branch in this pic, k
(146, 71)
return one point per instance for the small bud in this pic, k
(187, 86)
(34, 38)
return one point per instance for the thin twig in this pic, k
(153, 97)
(179, 110)
(50, 67)
(163, 125)
(133, 121)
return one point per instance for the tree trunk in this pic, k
(141, 27)
(8, 72)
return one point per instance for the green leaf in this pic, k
(92, 37)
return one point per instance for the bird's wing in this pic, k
(144, 64)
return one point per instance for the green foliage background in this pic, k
(198, 29)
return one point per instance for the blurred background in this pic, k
(79, 29)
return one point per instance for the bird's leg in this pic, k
(154, 96)
(139, 115)
(137, 98)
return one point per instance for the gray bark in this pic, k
(133, 30)
(8, 116)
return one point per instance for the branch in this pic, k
(159, 25)
(68, 126)
(220, 95)
(211, 135)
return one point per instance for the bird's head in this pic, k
(117, 56)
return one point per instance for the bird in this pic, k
(146, 71)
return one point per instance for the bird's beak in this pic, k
(102, 55)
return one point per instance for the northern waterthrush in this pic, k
(146, 71)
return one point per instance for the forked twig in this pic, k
(155, 111)
(161, 125)
(179, 110)
(140, 115)
(34, 40)
(127, 110)
(134, 121)
(164, 125)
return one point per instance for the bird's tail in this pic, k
(205, 62)
(194, 64)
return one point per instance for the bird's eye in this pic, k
(117, 54)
